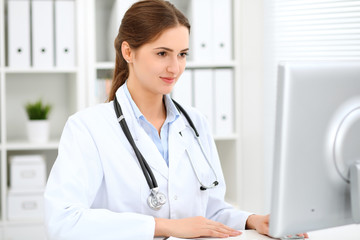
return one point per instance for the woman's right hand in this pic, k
(192, 228)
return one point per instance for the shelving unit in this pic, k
(63, 87)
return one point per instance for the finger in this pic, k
(266, 230)
(213, 233)
(221, 228)
(220, 233)
(230, 232)
(218, 224)
(305, 235)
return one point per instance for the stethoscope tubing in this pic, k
(202, 186)
(151, 180)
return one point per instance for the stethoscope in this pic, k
(156, 199)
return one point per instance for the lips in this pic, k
(168, 79)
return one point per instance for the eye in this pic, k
(161, 53)
(183, 54)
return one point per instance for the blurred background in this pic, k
(60, 52)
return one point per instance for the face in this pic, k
(155, 67)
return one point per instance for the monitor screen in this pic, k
(317, 141)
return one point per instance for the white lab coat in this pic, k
(96, 189)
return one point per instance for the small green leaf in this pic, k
(38, 110)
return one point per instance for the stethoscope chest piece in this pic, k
(156, 199)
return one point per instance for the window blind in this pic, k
(314, 29)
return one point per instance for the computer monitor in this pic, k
(317, 141)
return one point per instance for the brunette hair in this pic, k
(143, 22)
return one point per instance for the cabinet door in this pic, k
(25, 232)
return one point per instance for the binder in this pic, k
(203, 93)
(65, 33)
(117, 13)
(182, 92)
(201, 33)
(224, 102)
(222, 44)
(42, 33)
(19, 33)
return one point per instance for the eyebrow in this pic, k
(169, 49)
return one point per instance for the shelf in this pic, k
(105, 65)
(225, 138)
(39, 70)
(21, 223)
(25, 145)
(227, 64)
(189, 65)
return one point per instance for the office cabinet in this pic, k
(29, 72)
(24, 231)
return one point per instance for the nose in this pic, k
(174, 66)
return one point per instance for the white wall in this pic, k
(251, 52)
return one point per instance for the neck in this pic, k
(150, 105)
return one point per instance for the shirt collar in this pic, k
(172, 112)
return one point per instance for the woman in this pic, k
(97, 189)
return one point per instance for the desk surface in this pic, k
(349, 232)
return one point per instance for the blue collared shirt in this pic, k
(161, 141)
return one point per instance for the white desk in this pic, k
(349, 232)
(246, 235)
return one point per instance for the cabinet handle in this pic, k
(29, 205)
(28, 174)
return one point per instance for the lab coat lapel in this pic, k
(151, 153)
(177, 143)
(144, 143)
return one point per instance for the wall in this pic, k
(253, 192)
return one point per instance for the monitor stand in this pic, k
(347, 156)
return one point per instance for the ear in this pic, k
(126, 51)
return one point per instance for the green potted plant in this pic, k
(38, 123)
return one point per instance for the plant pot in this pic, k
(38, 131)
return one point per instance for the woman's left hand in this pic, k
(258, 222)
(261, 224)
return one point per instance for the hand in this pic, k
(258, 222)
(192, 228)
(261, 224)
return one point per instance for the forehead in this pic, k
(176, 38)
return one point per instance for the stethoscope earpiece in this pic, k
(203, 188)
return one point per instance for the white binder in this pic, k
(182, 92)
(117, 13)
(65, 33)
(201, 30)
(224, 102)
(204, 93)
(222, 44)
(42, 33)
(19, 33)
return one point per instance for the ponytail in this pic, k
(121, 71)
